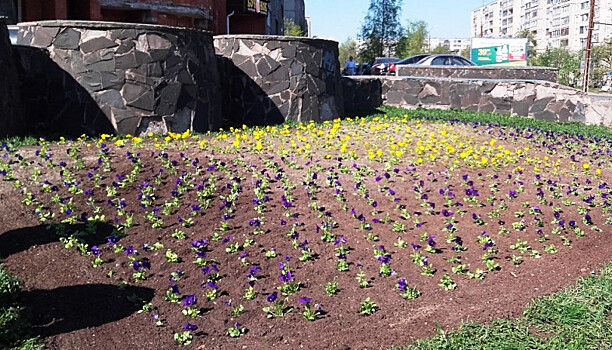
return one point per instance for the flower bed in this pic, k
(289, 236)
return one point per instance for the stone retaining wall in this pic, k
(535, 99)
(141, 78)
(519, 73)
(10, 105)
(270, 79)
(361, 96)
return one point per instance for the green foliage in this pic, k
(414, 40)
(20, 141)
(381, 29)
(440, 49)
(601, 63)
(531, 45)
(575, 318)
(292, 29)
(9, 287)
(566, 61)
(502, 120)
(14, 330)
(346, 50)
(467, 52)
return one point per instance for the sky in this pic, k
(341, 19)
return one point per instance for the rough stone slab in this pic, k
(67, 39)
(168, 99)
(540, 104)
(112, 80)
(126, 61)
(139, 96)
(102, 66)
(96, 44)
(44, 37)
(111, 98)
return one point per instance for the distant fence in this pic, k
(519, 73)
(535, 99)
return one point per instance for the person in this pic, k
(351, 66)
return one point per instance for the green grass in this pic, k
(570, 128)
(14, 329)
(579, 317)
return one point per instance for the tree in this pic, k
(566, 61)
(440, 49)
(601, 63)
(467, 52)
(381, 29)
(292, 29)
(414, 41)
(531, 45)
(346, 50)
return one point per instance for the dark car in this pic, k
(364, 69)
(382, 65)
(445, 60)
(412, 59)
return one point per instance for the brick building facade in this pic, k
(243, 16)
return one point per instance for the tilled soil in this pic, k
(73, 305)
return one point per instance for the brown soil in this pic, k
(75, 306)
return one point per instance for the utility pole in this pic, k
(587, 55)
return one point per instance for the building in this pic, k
(295, 10)
(554, 23)
(455, 45)
(218, 16)
(252, 17)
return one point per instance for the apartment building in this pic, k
(452, 44)
(554, 23)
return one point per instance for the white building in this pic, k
(554, 23)
(452, 44)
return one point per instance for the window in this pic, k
(439, 61)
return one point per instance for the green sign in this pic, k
(499, 51)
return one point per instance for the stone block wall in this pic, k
(534, 99)
(141, 78)
(518, 73)
(52, 100)
(270, 79)
(361, 96)
(10, 105)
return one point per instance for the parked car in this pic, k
(382, 65)
(445, 60)
(364, 69)
(13, 34)
(412, 59)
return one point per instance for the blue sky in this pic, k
(340, 19)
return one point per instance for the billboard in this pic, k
(499, 51)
